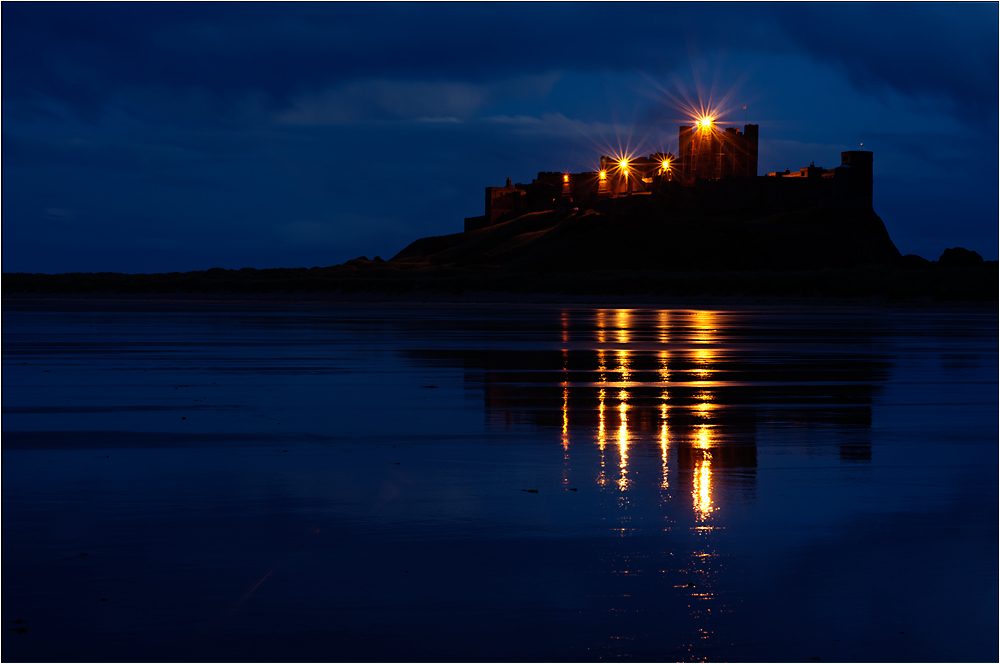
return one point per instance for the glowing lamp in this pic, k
(604, 175)
(623, 164)
(666, 164)
(565, 178)
(706, 122)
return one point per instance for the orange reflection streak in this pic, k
(565, 327)
(704, 327)
(623, 325)
(664, 326)
(702, 491)
(565, 414)
(602, 365)
(600, 326)
(703, 357)
(704, 333)
(624, 365)
(623, 440)
(704, 407)
(602, 478)
(601, 431)
(664, 366)
(664, 440)
(703, 437)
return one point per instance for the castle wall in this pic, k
(585, 187)
(715, 172)
(503, 200)
(854, 178)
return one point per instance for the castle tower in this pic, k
(707, 152)
(750, 133)
(854, 178)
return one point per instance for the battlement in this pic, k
(706, 152)
(715, 172)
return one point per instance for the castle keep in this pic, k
(715, 171)
(715, 155)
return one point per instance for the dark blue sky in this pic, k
(161, 137)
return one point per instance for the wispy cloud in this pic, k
(384, 99)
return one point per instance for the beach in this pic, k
(430, 481)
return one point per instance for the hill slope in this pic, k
(813, 254)
(583, 241)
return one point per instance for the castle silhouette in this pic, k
(715, 172)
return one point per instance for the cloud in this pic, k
(379, 99)
(553, 124)
(59, 214)
(299, 60)
(947, 51)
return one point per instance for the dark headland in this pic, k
(656, 228)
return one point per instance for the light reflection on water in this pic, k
(699, 475)
(664, 443)
(643, 370)
(623, 480)
(702, 481)
(631, 380)
(673, 379)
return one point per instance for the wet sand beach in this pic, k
(338, 481)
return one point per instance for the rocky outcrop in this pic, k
(581, 241)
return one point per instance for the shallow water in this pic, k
(393, 483)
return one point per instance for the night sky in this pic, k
(173, 137)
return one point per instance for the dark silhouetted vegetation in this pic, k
(813, 254)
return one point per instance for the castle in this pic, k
(716, 171)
